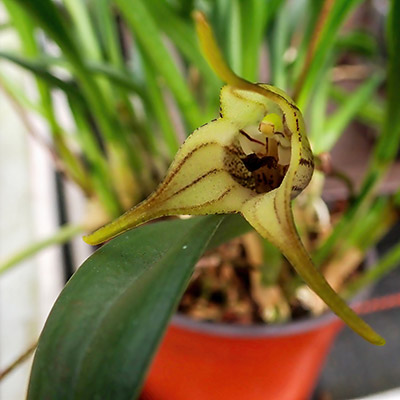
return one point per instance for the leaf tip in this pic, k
(377, 340)
(199, 17)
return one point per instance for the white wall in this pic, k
(26, 214)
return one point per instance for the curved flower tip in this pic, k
(252, 160)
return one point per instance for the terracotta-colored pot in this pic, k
(207, 361)
(214, 361)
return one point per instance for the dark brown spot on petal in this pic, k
(253, 162)
(276, 211)
(304, 161)
(236, 168)
(297, 188)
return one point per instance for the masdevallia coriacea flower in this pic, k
(254, 159)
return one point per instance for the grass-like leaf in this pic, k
(336, 124)
(324, 46)
(143, 26)
(386, 148)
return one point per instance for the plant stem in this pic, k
(65, 233)
(23, 357)
(382, 267)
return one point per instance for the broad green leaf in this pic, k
(232, 226)
(104, 328)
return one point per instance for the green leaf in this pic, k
(147, 33)
(372, 113)
(386, 147)
(107, 28)
(183, 36)
(41, 71)
(41, 68)
(286, 19)
(234, 37)
(106, 325)
(51, 20)
(389, 141)
(232, 226)
(359, 41)
(256, 16)
(385, 265)
(336, 123)
(24, 26)
(64, 234)
(327, 39)
(159, 107)
(81, 21)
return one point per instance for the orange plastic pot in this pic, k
(204, 361)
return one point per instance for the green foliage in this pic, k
(111, 346)
(133, 75)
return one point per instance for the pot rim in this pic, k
(290, 328)
(253, 331)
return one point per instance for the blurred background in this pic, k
(96, 97)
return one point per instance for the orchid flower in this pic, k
(253, 160)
